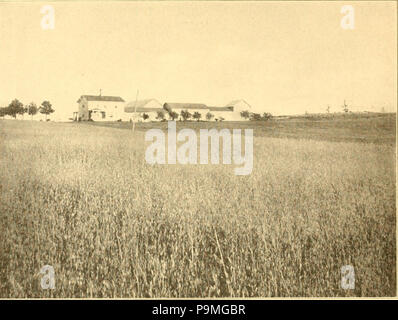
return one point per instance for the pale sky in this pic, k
(283, 58)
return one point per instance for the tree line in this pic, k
(16, 107)
(255, 116)
(186, 115)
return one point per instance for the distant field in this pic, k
(373, 128)
(80, 197)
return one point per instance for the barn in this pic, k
(237, 107)
(190, 107)
(135, 110)
(231, 111)
(221, 113)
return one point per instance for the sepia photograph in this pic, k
(198, 150)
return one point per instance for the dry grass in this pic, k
(82, 199)
(368, 128)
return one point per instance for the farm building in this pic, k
(135, 110)
(231, 111)
(99, 108)
(190, 107)
(221, 113)
(113, 108)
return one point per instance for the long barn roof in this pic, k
(100, 98)
(185, 106)
(229, 108)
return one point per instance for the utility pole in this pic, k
(345, 106)
(135, 110)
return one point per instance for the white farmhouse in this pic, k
(99, 108)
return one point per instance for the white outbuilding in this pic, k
(231, 111)
(136, 110)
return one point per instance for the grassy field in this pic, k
(351, 127)
(81, 198)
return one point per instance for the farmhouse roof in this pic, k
(100, 98)
(139, 106)
(185, 106)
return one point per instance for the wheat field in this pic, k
(82, 199)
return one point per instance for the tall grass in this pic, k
(82, 199)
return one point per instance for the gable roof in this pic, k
(235, 102)
(100, 98)
(185, 106)
(139, 106)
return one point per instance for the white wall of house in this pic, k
(114, 110)
(98, 115)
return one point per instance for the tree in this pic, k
(145, 116)
(197, 116)
(3, 112)
(46, 108)
(23, 111)
(14, 108)
(167, 108)
(160, 115)
(209, 116)
(185, 114)
(32, 109)
(345, 107)
(173, 115)
(245, 114)
(328, 109)
(266, 116)
(255, 116)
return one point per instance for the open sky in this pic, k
(281, 57)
